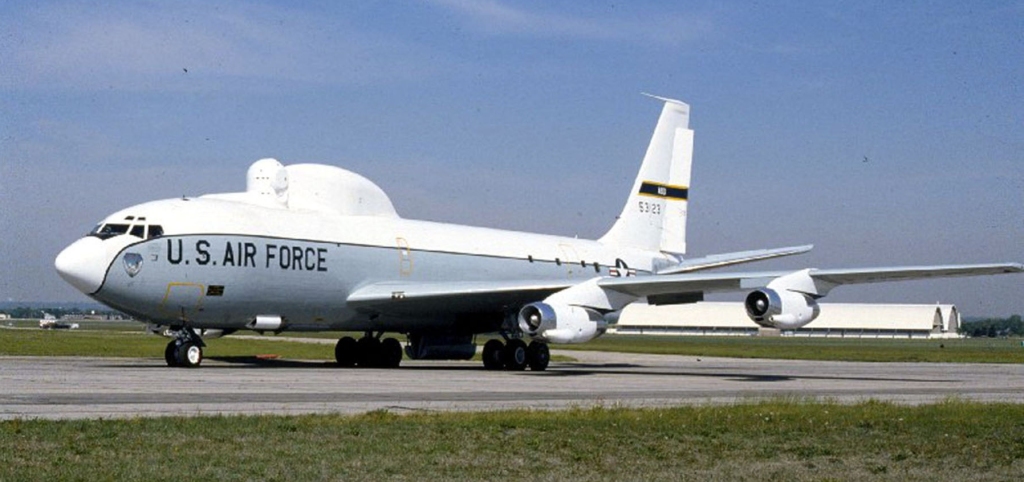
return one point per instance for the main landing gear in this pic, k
(515, 355)
(185, 350)
(369, 352)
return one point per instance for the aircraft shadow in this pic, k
(579, 369)
(264, 363)
(257, 362)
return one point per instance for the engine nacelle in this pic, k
(266, 323)
(785, 310)
(557, 323)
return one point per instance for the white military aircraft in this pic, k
(312, 247)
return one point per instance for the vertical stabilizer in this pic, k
(654, 217)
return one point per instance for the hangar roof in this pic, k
(839, 316)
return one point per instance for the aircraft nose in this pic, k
(83, 264)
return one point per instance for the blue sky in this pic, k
(885, 134)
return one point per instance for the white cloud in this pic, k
(196, 46)
(495, 18)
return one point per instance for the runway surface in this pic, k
(69, 388)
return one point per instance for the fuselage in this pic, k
(220, 263)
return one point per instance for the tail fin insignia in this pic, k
(666, 191)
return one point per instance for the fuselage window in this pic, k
(156, 231)
(139, 231)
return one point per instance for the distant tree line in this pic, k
(994, 327)
(24, 312)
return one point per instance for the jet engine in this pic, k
(558, 323)
(783, 309)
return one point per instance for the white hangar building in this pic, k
(835, 320)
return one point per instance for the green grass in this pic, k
(968, 350)
(137, 344)
(774, 440)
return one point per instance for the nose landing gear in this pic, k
(185, 350)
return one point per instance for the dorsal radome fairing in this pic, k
(269, 178)
(317, 187)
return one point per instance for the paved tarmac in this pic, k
(71, 388)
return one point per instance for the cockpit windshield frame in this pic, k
(138, 230)
(109, 230)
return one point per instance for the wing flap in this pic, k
(688, 283)
(729, 259)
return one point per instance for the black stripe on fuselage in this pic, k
(664, 191)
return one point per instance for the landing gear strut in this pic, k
(185, 350)
(369, 352)
(515, 355)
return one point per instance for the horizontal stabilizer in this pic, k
(728, 259)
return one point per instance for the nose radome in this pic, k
(83, 264)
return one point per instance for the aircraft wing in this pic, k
(720, 260)
(820, 281)
(447, 298)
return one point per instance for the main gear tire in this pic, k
(494, 355)
(538, 356)
(515, 355)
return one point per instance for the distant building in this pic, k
(4, 316)
(836, 320)
(94, 316)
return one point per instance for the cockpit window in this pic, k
(106, 231)
(141, 230)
